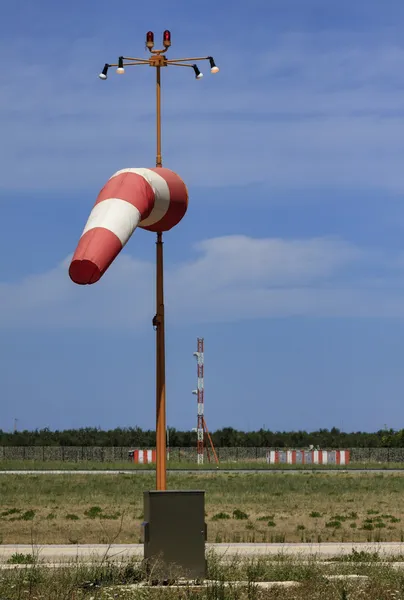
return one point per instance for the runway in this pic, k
(120, 552)
(196, 471)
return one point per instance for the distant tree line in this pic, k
(226, 437)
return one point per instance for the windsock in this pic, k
(153, 199)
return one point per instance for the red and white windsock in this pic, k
(153, 199)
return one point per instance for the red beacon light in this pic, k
(167, 38)
(149, 39)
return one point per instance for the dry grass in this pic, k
(260, 508)
(237, 580)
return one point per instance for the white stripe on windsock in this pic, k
(117, 215)
(325, 457)
(342, 457)
(289, 457)
(161, 193)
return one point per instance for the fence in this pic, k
(120, 454)
(142, 456)
(308, 457)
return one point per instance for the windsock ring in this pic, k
(153, 199)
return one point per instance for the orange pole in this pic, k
(161, 440)
(159, 161)
(210, 440)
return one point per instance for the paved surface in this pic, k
(60, 553)
(195, 471)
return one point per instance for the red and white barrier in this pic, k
(308, 457)
(143, 456)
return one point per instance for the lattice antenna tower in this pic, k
(201, 428)
(199, 392)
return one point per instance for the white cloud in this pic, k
(311, 111)
(231, 278)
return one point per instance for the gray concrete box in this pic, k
(175, 533)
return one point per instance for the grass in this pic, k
(238, 579)
(20, 465)
(21, 559)
(317, 507)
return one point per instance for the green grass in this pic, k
(21, 465)
(21, 559)
(308, 507)
(237, 579)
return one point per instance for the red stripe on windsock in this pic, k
(95, 251)
(130, 187)
(178, 201)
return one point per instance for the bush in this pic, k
(239, 514)
(219, 516)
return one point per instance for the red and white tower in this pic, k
(199, 392)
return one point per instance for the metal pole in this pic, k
(161, 448)
(161, 451)
(159, 162)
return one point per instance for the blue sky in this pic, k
(290, 260)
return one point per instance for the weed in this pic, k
(73, 540)
(373, 512)
(359, 556)
(10, 511)
(239, 514)
(271, 524)
(93, 512)
(72, 517)
(21, 559)
(28, 515)
(219, 516)
(334, 524)
(315, 515)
